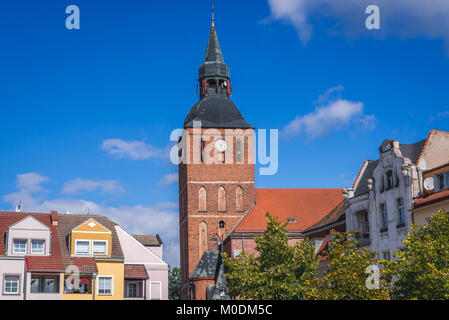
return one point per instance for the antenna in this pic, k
(19, 207)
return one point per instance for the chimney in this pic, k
(54, 218)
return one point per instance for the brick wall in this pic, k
(193, 176)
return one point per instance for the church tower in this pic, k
(216, 176)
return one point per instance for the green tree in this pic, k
(347, 275)
(421, 269)
(279, 272)
(174, 280)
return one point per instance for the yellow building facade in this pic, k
(91, 240)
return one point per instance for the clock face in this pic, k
(221, 145)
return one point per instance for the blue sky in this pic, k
(127, 78)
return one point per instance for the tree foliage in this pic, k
(421, 269)
(347, 274)
(174, 280)
(279, 271)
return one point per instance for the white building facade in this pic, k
(378, 206)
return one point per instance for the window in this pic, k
(386, 255)
(202, 239)
(443, 181)
(82, 247)
(203, 145)
(11, 285)
(221, 199)
(384, 217)
(100, 247)
(239, 199)
(104, 285)
(44, 284)
(389, 179)
(238, 151)
(202, 199)
(235, 253)
(84, 287)
(221, 224)
(134, 289)
(401, 212)
(19, 246)
(37, 246)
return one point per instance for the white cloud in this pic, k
(398, 18)
(31, 181)
(439, 115)
(331, 114)
(134, 150)
(136, 219)
(79, 185)
(169, 179)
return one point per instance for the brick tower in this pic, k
(216, 176)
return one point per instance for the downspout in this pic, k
(25, 280)
(93, 286)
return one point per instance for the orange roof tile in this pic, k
(432, 198)
(307, 206)
(133, 271)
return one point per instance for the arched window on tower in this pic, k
(239, 199)
(221, 199)
(202, 199)
(202, 238)
(238, 150)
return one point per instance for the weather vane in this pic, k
(213, 12)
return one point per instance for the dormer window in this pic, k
(82, 247)
(19, 246)
(37, 246)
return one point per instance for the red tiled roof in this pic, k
(307, 206)
(34, 263)
(134, 271)
(432, 198)
(83, 264)
(335, 215)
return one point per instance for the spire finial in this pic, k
(213, 13)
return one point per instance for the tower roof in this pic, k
(214, 111)
(213, 65)
(213, 50)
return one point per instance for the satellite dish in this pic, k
(428, 184)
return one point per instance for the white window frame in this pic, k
(106, 248)
(43, 246)
(89, 249)
(19, 240)
(18, 284)
(98, 285)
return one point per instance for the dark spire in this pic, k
(215, 109)
(213, 66)
(213, 51)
